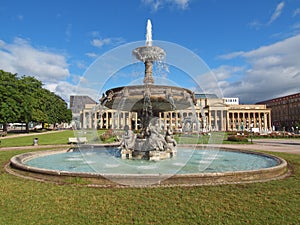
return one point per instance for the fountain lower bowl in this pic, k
(134, 97)
(128, 178)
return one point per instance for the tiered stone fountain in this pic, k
(148, 100)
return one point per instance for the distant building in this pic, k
(213, 114)
(285, 112)
(77, 104)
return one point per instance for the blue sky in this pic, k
(251, 46)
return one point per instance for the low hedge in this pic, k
(237, 138)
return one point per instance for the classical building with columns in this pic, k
(210, 113)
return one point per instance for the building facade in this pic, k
(77, 104)
(285, 112)
(209, 114)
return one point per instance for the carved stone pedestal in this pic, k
(126, 154)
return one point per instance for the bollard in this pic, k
(35, 141)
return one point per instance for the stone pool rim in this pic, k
(191, 179)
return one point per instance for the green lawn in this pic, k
(30, 202)
(48, 138)
(54, 137)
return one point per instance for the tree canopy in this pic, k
(23, 99)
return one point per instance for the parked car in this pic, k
(38, 127)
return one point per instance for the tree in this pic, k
(55, 108)
(10, 97)
(29, 87)
(24, 100)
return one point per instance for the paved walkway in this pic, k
(273, 145)
(35, 147)
(29, 134)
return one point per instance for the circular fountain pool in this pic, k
(189, 167)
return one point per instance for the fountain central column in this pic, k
(148, 73)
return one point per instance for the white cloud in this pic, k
(65, 90)
(154, 4)
(296, 12)
(97, 42)
(216, 80)
(182, 4)
(81, 65)
(94, 33)
(231, 55)
(22, 58)
(159, 4)
(277, 12)
(91, 54)
(225, 71)
(47, 66)
(255, 24)
(272, 71)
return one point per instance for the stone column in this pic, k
(82, 119)
(265, 121)
(90, 119)
(259, 121)
(228, 120)
(176, 119)
(243, 121)
(221, 120)
(209, 120)
(100, 120)
(216, 120)
(111, 120)
(95, 120)
(136, 121)
(107, 122)
(128, 119)
(238, 121)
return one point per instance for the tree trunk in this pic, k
(5, 127)
(27, 127)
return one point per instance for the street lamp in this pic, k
(251, 132)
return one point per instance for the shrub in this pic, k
(108, 136)
(237, 138)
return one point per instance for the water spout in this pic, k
(149, 33)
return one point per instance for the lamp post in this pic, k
(251, 133)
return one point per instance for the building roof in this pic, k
(78, 102)
(297, 95)
(202, 95)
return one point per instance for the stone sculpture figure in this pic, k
(169, 136)
(154, 139)
(128, 139)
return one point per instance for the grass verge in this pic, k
(31, 202)
(48, 138)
